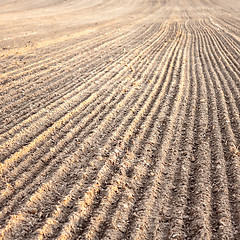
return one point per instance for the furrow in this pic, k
(142, 224)
(119, 120)
(117, 75)
(97, 224)
(100, 128)
(58, 81)
(83, 48)
(219, 199)
(140, 171)
(177, 163)
(62, 108)
(70, 57)
(233, 42)
(102, 27)
(57, 51)
(75, 83)
(87, 82)
(224, 46)
(231, 97)
(62, 141)
(229, 31)
(226, 153)
(173, 215)
(198, 209)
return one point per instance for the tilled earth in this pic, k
(120, 119)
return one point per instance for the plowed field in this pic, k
(120, 119)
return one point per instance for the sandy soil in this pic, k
(120, 119)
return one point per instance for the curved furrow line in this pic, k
(52, 121)
(50, 60)
(229, 28)
(66, 113)
(73, 122)
(222, 224)
(229, 67)
(82, 215)
(77, 84)
(234, 25)
(120, 219)
(227, 92)
(105, 24)
(83, 148)
(197, 225)
(78, 71)
(177, 162)
(113, 225)
(95, 45)
(226, 150)
(66, 92)
(233, 21)
(173, 215)
(120, 120)
(139, 174)
(69, 94)
(45, 174)
(76, 126)
(31, 158)
(80, 90)
(62, 50)
(224, 46)
(130, 113)
(230, 56)
(58, 213)
(96, 226)
(54, 79)
(123, 71)
(58, 45)
(226, 64)
(141, 226)
(96, 42)
(139, 70)
(98, 221)
(90, 81)
(56, 50)
(53, 222)
(130, 131)
(219, 198)
(232, 41)
(233, 28)
(225, 43)
(230, 97)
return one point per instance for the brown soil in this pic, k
(120, 119)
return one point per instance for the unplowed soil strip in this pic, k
(120, 119)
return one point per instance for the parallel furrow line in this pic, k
(130, 113)
(224, 151)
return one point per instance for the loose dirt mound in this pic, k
(120, 119)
